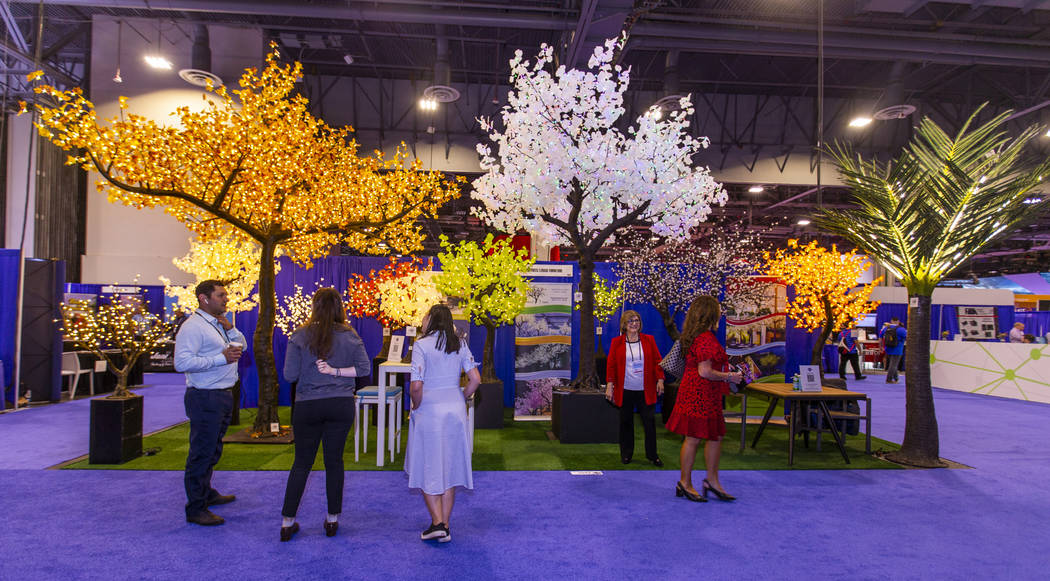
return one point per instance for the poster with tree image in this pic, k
(543, 349)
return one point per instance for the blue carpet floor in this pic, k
(988, 522)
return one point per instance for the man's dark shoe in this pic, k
(221, 499)
(288, 532)
(206, 519)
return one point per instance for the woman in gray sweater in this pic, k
(324, 356)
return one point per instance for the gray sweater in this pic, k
(348, 350)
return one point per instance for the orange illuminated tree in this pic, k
(827, 296)
(254, 160)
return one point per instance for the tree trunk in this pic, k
(586, 380)
(121, 390)
(921, 445)
(668, 320)
(262, 346)
(488, 355)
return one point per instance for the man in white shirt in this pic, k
(207, 348)
(1017, 333)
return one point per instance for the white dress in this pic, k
(438, 453)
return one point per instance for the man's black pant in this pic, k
(632, 399)
(210, 411)
(315, 422)
(854, 359)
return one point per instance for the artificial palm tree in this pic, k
(922, 215)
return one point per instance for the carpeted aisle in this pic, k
(40, 437)
(986, 522)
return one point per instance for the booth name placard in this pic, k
(562, 270)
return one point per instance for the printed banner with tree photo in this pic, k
(543, 349)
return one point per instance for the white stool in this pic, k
(367, 397)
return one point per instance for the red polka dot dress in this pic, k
(698, 407)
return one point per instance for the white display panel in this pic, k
(1013, 370)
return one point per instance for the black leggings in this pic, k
(315, 422)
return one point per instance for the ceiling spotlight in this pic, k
(860, 121)
(756, 189)
(348, 58)
(116, 77)
(428, 104)
(803, 222)
(1032, 200)
(158, 62)
(655, 114)
(1048, 132)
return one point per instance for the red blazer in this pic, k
(616, 367)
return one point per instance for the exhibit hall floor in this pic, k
(984, 522)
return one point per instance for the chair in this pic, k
(363, 400)
(71, 368)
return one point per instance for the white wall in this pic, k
(21, 136)
(124, 243)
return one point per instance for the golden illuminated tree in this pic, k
(233, 259)
(827, 296)
(119, 327)
(261, 165)
(489, 281)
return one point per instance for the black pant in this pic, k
(210, 411)
(315, 422)
(632, 399)
(853, 358)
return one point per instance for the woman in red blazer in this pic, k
(635, 381)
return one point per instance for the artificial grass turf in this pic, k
(526, 446)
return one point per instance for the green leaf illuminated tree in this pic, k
(924, 214)
(488, 279)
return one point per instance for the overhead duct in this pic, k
(893, 105)
(442, 90)
(199, 73)
(672, 100)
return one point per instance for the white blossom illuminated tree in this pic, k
(562, 170)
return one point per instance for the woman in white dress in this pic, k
(438, 455)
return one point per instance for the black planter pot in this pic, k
(116, 430)
(488, 406)
(584, 418)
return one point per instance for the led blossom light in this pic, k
(488, 280)
(254, 161)
(562, 169)
(826, 291)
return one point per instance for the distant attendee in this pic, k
(206, 350)
(324, 356)
(849, 352)
(437, 458)
(1028, 338)
(893, 335)
(636, 380)
(1017, 333)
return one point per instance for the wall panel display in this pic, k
(756, 330)
(977, 323)
(543, 349)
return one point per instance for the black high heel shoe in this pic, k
(680, 491)
(724, 496)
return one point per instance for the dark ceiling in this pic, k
(946, 58)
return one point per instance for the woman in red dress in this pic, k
(697, 413)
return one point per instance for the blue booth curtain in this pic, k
(8, 317)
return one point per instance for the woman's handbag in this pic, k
(673, 363)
